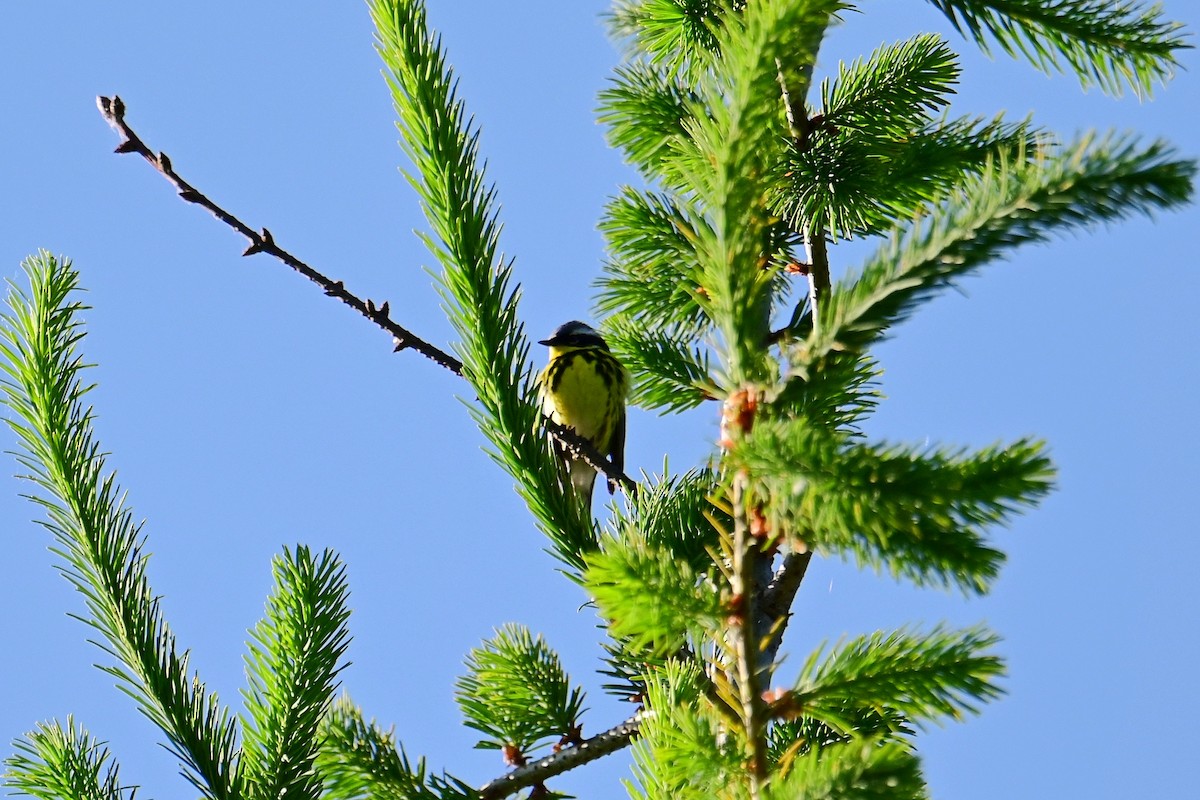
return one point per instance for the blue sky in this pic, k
(245, 411)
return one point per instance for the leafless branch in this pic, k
(568, 758)
(582, 448)
(777, 596)
(113, 110)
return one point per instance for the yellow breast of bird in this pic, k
(576, 394)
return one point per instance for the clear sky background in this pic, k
(244, 410)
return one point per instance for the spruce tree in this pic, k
(719, 295)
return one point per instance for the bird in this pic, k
(583, 387)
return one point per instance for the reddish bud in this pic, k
(513, 756)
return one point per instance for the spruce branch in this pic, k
(55, 762)
(669, 372)
(687, 750)
(113, 110)
(1106, 44)
(652, 600)
(728, 158)
(294, 659)
(793, 736)
(646, 111)
(873, 155)
(916, 514)
(837, 397)
(1012, 201)
(517, 694)
(860, 769)
(359, 760)
(942, 673)
(674, 513)
(651, 273)
(894, 90)
(94, 531)
(681, 35)
(443, 144)
(856, 182)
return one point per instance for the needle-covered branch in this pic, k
(94, 531)
(912, 513)
(517, 694)
(1107, 44)
(681, 35)
(733, 149)
(875, 155)
(359, 760)
(653, 600)
(922, 676)
(295, 656)
(476, 281)
(894, 89)
(647, 112)
(687, 749)
(860, 769)
(55, 762)
(1013, 201)
(669, 372)
(651, 274)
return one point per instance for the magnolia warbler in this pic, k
(584, 387)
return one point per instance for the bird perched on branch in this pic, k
(584, 387)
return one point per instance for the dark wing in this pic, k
(616, 449)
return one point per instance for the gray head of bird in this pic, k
(574, 334)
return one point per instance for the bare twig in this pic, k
(535, 772)
(585, 450)
(113, 109)
(776, 601)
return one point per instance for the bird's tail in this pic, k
(583, 479)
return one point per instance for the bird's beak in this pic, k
(547, 342)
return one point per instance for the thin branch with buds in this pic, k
(536, 772)
(775, 603)
(113, 110)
